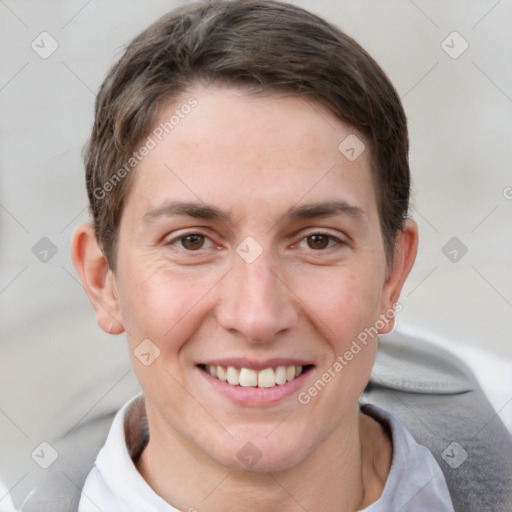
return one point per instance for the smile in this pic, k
(247, 377)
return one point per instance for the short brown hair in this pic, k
(263, 44)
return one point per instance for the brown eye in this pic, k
(192, 242)
(317, 241)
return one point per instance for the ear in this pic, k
(97, 278)
(406, 247)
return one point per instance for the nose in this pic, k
(256, 303)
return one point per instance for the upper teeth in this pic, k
(266, 378)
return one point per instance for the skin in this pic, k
(255, 158)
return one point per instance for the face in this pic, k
(250, 246)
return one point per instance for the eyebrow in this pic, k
(324, 209)
(190, 209)
(207, 212)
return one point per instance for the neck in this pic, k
(346, 472)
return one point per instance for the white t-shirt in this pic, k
(415, 482)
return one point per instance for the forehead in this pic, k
(223, 146)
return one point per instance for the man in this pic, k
(249, 183)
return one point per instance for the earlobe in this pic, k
(406, 247)
(97, 278)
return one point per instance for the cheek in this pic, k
(345, 302)
(344, 313)
(162, 303)
(161, 309)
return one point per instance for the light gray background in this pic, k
(57, 366)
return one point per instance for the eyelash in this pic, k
(333, 241)
(182, 237)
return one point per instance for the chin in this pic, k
(259, 454)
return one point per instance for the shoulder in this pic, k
(415, 482)
(77, 452)
(60, 489)
(440, 403)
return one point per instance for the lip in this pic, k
(253, 396)
(243, 362)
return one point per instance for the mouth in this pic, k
(268, 377)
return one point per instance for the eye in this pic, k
(193, 242)
(318, 241)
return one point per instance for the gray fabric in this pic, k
(415, 482)
(60, 491)
(436, 397)
(432, 393)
